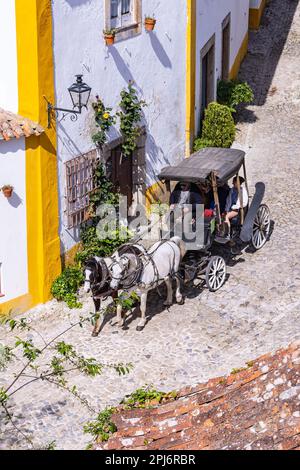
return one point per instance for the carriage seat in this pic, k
(237, 220)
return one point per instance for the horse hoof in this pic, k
(181, 302)
(167, 304)
(140, 328)
(95, 334)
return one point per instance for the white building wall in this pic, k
(13, 228)
(8, 75)
(156, 63)
(210, 15)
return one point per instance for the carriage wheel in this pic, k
(261, 227)
(215, 274)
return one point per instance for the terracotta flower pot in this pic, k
(109, 39)
(149, 24)
(7, 192)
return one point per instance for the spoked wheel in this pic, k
(215, 274)
(261, 227)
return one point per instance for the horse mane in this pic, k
(100, 271)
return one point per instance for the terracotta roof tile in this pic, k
(15, 126)
(255, 408)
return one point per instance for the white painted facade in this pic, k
(210, 16)
(13, 232)
(156, 62)
(9, 72)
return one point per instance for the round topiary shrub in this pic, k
(218, 126)
(202, 144)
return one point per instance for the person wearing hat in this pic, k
(233, 202)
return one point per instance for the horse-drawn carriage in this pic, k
(213, 168)
(135, 267)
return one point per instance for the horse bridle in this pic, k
(95, 265)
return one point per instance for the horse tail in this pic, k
(180, 243)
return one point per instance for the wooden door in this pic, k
(211, 75)
(207, 78)
(122, 173)
(225, 51)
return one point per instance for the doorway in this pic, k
(207, 75)
(225, 47)
(121, 173)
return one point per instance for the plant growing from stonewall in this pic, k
(130, 115)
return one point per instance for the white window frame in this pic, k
(122, 20)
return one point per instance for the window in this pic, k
(79, 185)
(121, 13)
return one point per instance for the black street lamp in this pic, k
(80, 95)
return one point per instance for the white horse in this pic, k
(160, 263)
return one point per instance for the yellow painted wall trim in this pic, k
(156, 192)
(35, 79)
(190, 75)
(17, 305)
(255, 15)
(239, 58)
(68, 258)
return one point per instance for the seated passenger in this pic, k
(185, 194)
(233, 204)
(223, 192)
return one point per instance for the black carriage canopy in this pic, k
(197, 168)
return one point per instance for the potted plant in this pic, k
(150, 23)
(109, 36)
(7, 190)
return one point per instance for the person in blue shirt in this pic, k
(233, 203)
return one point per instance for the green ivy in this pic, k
(66, 285)
(233, 92)
(104, 120)
(105, 192)
(92, 246)
(130, 116)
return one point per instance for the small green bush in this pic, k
(218, 126)
(202, 144)
(233, 92)
(65, 287)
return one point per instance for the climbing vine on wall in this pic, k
(104, 120)
(130, 115)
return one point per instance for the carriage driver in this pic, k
(186, 193)
(233, 203)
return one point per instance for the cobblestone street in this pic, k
(257, 310)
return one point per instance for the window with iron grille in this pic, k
(80, 183)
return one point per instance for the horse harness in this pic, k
(132, 277)
(138, 259)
